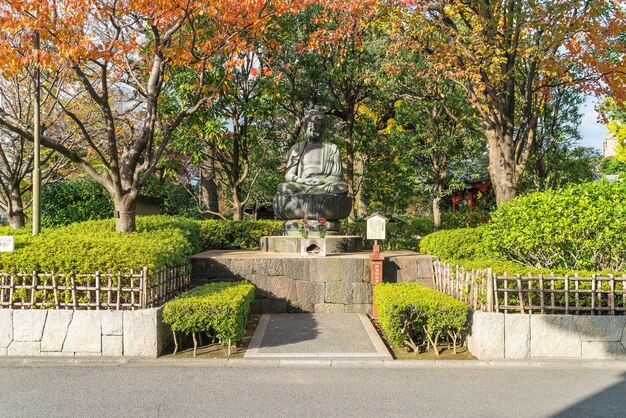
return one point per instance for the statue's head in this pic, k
(314, 124)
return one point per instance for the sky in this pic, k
(593, 133)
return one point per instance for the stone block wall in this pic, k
(289, 283)
(522, 336)
(71, 333)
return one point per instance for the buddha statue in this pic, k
(313, 184)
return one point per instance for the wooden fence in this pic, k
(483, 290)
(133, 290)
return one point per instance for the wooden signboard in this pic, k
(6, 244)
(376, 227)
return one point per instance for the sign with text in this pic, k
(376, 226)
(6, 243)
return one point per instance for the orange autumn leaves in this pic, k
(186, 32)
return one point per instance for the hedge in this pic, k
(86, 247)
(68, 201)
(236, 235)
(458, 244)
(219, 309)
(412, 315)
(581, 227)
(78, 200)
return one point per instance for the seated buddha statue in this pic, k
(313, 185)
(313, 166)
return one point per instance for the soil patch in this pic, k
(210, 350)
(462, 353)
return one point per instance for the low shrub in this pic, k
(220, 309)
(463, 243)
(86, 247)
(68, 201)
(465, 218)
(581, 227)
(412, 316)
(236, 235)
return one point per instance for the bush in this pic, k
(581, 227)
(86, 247)
(412, 315)
(84, 199)
(177, 199)
(401, 235)
(236, 235)
(465, 218)
(65, 202)
(219, 309)
(456, 244)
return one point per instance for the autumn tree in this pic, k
(16, 153)
(115, 58)
(509, 54)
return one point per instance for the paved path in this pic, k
(257, 389)
(305, 335)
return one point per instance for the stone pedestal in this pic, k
(287, 282)
(334, 244)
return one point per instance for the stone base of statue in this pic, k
(333, 244)
(327, 206)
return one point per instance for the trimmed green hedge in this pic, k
(219, 309)
(463, 243)
(68, 201)
(581, 227)
(95, 245)
(236, 235)
(412, 315)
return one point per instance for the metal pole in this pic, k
(36, 140)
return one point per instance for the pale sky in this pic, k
(593, 133)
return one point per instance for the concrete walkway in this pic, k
(314, 336)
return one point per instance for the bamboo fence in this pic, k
(137, 289)
(483, 290)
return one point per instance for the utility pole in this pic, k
(37, 140)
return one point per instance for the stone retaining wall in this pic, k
(33, 332)
(290, 283)
(522, 336)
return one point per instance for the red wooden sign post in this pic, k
(376, 230)
(377, 272)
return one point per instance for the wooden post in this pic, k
(97, 290)
(593, 294)
(55, 289)
(566, 294)
(542, 297)
(490, 292)
(33, 289)
(144, 288)
(74, 302)
(119, 292)
(611, 294)
(520, 292)
(11, 290)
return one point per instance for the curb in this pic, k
(306, 362)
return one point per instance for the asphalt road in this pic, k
(165, 390)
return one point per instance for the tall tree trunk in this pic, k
(349, 141)
(361, 204)
(208, 187)
(437, 193)
(237, 204)
(15, 214)
(125, 212)
(502, 165)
